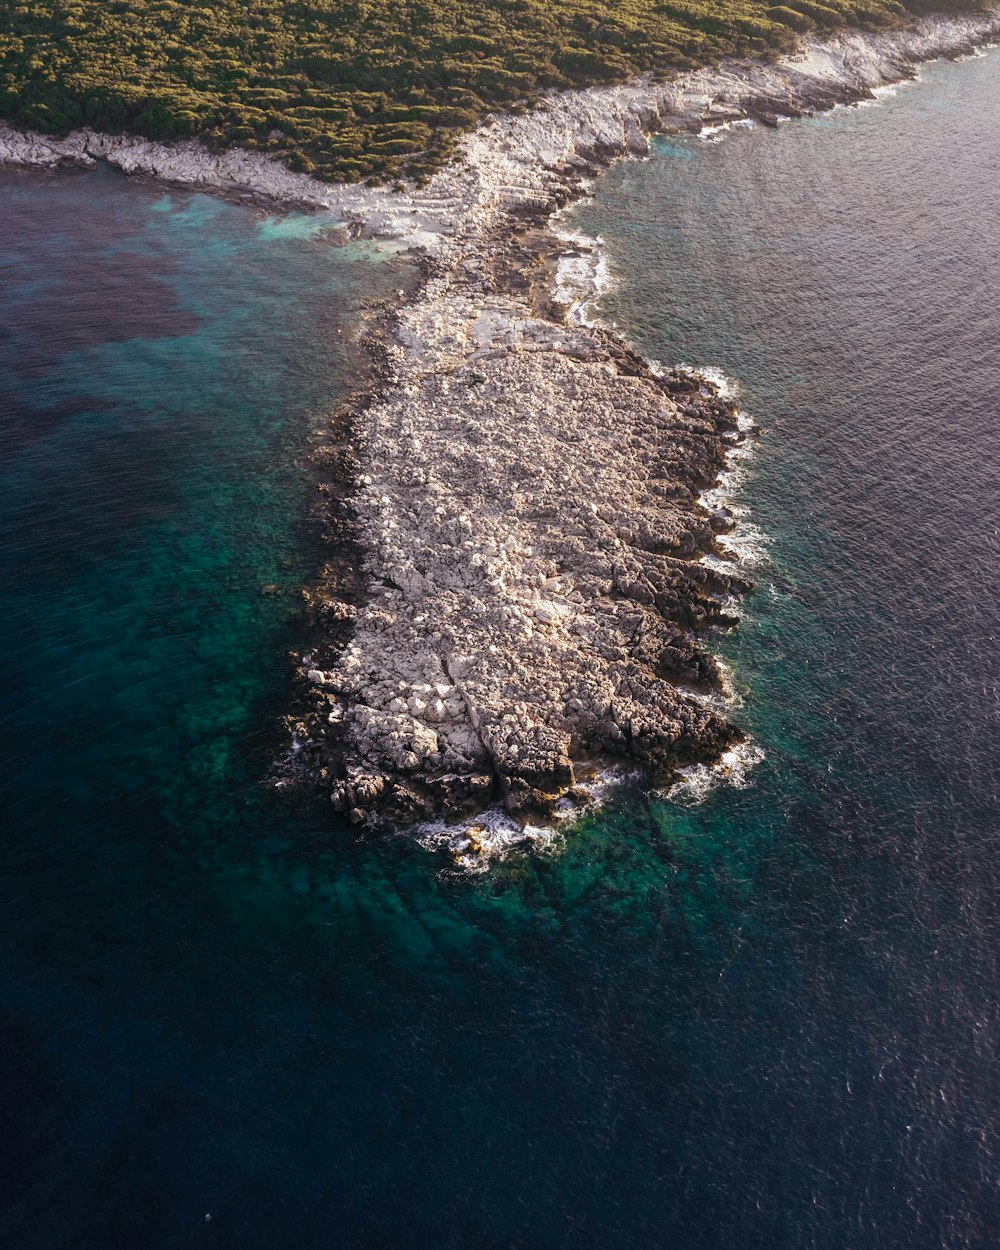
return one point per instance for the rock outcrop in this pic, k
(518, 588)
(534, 597)
(532, 588)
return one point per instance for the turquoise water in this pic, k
(765, 1019)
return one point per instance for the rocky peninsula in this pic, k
(518, 592)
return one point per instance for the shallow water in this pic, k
(767, 1018)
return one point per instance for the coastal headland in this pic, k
(521, 572)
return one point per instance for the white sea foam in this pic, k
(745, 544)
(494, 834)
(745, 547)
(717, 700)
(733, 768)
(582, 275)
(715, 132)
(728, 387)
(728, 698)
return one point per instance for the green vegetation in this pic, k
(349, 89)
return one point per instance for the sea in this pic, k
(759, 1011)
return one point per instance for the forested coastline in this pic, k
(349, 90)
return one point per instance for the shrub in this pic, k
(350, 89)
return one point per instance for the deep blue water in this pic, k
(766, 1020)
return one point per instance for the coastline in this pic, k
(529, 161)
(532, 598)
(529, 495)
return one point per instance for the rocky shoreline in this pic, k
(518, 590)
(534, 601)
